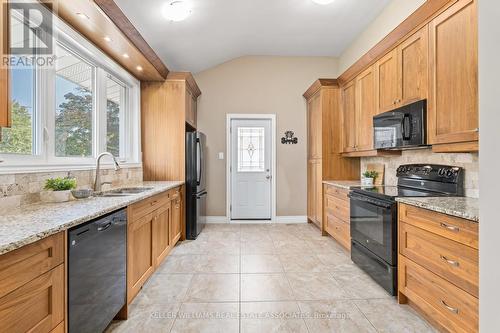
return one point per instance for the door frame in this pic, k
(243, 116)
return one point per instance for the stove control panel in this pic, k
(430, 172)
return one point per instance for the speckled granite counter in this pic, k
(25, 225)
(345, 184)
(466, 208)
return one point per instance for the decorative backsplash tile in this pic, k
(24, 188)
(470, 162)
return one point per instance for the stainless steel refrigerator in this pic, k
(196, 191)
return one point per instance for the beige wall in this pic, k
(260, 84)
(396, 12)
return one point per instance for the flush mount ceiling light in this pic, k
(83, 16)
(176, 10)
(323, 2)
(107, 39)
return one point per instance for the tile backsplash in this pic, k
(468, 161)
(24, 188)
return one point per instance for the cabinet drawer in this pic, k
(174, 193)
(337, 192)
(451, 307)
(23, 265)
(147, 206)
(338, 208)
(451, 260)
(459, 230)
(339, 230)
(37, 306)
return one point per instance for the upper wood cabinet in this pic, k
(401, 75)
(349, 116)
(191, 108)
(5, 120)
(314, 124)
(386, 70)
(365, 109)
(453, 99)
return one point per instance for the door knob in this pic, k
(268, 177)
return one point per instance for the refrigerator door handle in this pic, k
(198, 162)
(201, 195)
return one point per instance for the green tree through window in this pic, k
(18, 138)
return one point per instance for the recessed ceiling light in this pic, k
(176, 10)
(107, 39)
(84, 16)
(139, 68)
(323, 2)
(126, 56)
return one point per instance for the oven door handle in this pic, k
(375, 202)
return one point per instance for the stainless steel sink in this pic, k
(123, 192)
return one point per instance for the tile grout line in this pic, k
(364, 315)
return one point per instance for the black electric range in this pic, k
(374, 216)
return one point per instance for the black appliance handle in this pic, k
(201, 195)
(372, 201)
(406, 127)
(200, 160)
(104, 226)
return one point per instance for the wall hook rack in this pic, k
(289, 138)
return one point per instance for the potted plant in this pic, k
(58, 189)
(368, 177)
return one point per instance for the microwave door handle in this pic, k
(406, 127)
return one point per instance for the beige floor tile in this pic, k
(271, 317)
(265, 287)
(335, 316)
(315, 286)
(164, 288)
(207, 318)
(255, 236)
(214, 288)
(231, 227)
(261, 263)
(359, 285)
(302, 263)
(291, 246)
(219, 263)
(221, 246)
(225, 235)
(339, 262)
(189, 247)
(257, 247)
(147, 319)
(186, 263)
(390, 317)
(325, 246)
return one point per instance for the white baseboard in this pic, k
(279, 219)
(291, 219)
(217, 219)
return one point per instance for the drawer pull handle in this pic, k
(450, 227)
(451, 309)
(451, 262)
(154, 203)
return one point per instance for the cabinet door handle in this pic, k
(451, 262)
(450, 227)
(451, 309)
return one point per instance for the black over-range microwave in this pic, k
(402, 128)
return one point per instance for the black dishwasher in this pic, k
(97, 272)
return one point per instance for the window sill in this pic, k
(5, 170)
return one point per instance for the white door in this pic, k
(251, 174)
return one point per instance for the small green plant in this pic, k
(60, 184)
(370, 174)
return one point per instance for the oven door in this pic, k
(374, 225)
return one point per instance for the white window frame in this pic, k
(43, 158)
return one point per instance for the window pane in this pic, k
(251, 149)
(74, 105)
(115, 97)
(18, 139)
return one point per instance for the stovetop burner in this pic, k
(393, 192)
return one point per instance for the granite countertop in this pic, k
(345, 184)
(466, 208)
(28, 224)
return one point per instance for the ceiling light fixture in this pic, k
(139, 68)
(107, 39)
(176, 10)
(84, 16)
(126, 56)
(323, 2)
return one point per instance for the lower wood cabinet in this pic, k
(337, 216)
(439, 268)
(32, 293)
(154, 227)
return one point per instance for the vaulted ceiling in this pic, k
(221, 30)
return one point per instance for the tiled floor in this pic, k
(264, 278)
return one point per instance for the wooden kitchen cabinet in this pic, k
(365, 109)
(162, 243)
(337, 215)
(387, 89)
(191, 108)
(324, 144)
(349, 115)
(32, 293)
(453, 118)
(177, 213)
(438, 267)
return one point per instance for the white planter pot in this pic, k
(55, 196)
(367, 181)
